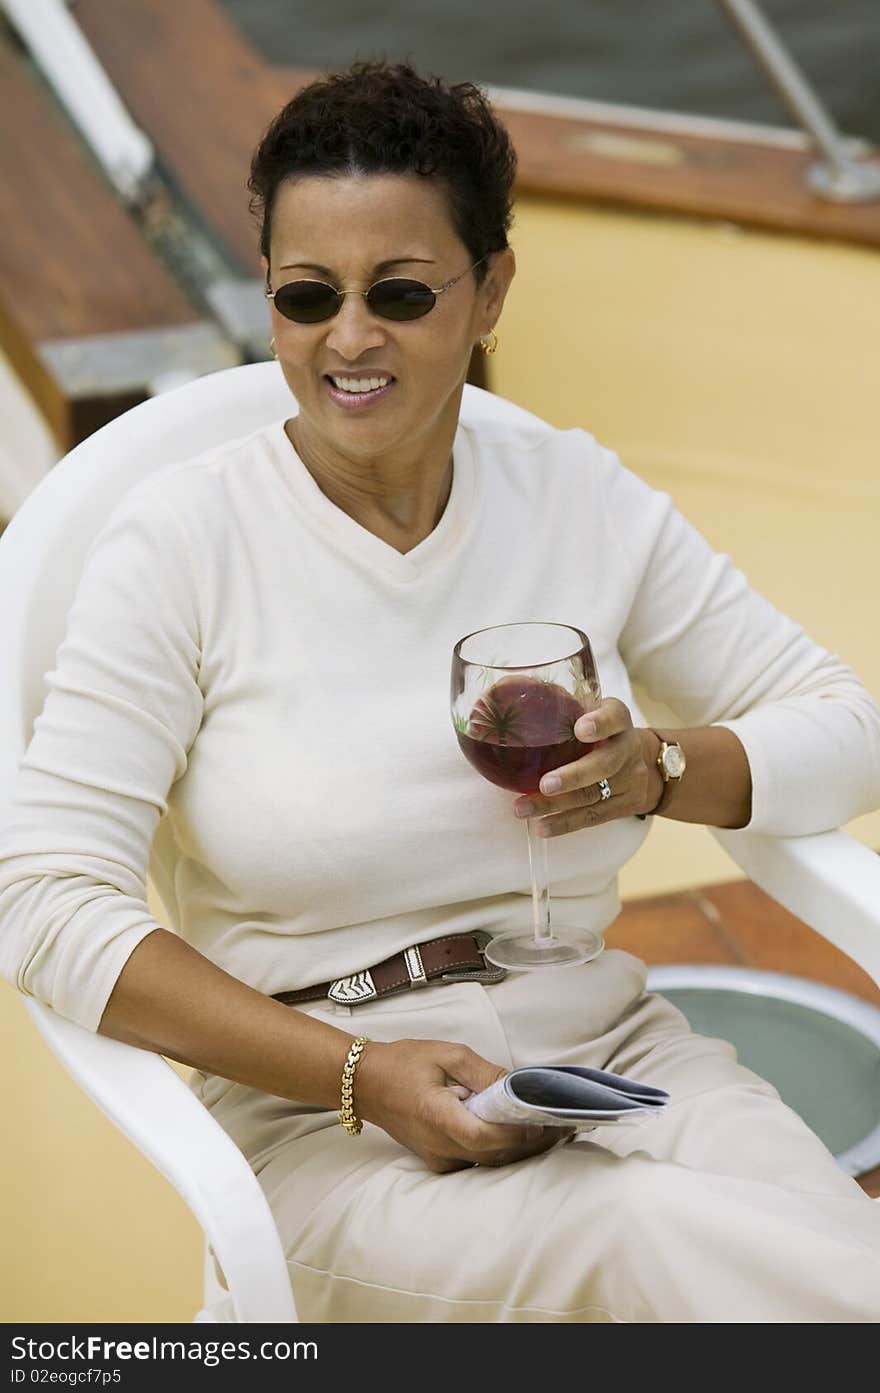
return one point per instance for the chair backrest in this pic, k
(43, 549)
(41, 557)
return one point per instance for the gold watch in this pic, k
(672, 762)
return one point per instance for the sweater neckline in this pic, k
(441, 543)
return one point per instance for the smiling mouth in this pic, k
(359, 386)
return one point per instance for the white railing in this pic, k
(836, 176)
(65, 57)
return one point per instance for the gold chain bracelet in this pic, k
(347, 1116)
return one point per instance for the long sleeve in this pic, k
(700, 639)
(245, 658)
(122, 710)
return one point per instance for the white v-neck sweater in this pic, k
(252, 705)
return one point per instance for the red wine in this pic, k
(519, 730)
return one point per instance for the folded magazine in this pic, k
(567, 1096)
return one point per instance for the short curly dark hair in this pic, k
(381, 118)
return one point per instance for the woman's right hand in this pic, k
(413, 1089)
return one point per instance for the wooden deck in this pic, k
(74, 269)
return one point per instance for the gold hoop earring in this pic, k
(272, 349)
(489, 347)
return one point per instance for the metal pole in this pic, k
(837, 177)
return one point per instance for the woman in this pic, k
(260, 650)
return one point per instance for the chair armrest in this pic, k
(829, 880)
(152, 1106)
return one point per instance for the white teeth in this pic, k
(359, 384)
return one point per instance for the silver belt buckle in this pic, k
(487, 973)
(351, 991)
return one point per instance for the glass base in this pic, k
(520, 951)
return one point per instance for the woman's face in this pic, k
(351, 231)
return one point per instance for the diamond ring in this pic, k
(604, 789)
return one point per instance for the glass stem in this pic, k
(540, 873)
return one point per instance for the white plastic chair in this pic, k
(830, 881)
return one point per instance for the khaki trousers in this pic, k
(726, 1208)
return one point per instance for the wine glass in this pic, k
(516, 692)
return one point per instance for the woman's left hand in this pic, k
(626, 758)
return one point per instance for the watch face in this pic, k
(674, 761)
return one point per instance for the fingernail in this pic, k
(584, 728)
(551, 783)
(543, 828)
(524, 809)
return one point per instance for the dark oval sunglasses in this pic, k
(311, 302)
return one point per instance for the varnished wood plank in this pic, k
(207, 110)
(870, 1182)
(669, 929)
(702, 176)
(735, 923)
(71, 261)
(771, 939)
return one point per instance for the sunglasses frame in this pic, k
(341, 294)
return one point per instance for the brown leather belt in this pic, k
(455, 958)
